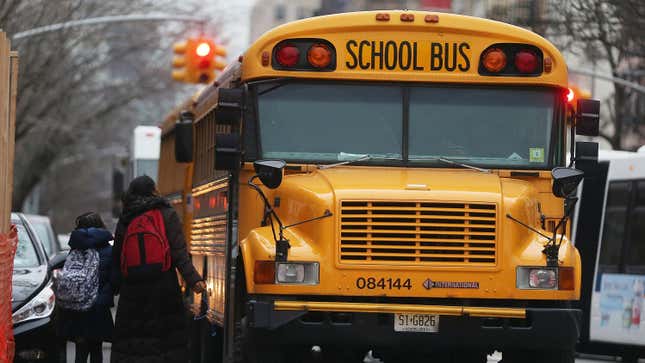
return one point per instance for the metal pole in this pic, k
(104, 20)
(635, 86)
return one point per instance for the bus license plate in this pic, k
(422, 323)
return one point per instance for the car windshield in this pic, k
(493, 127)
(26, 255)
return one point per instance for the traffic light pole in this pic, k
(635, 86)
(107, 19)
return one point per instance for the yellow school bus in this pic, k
(394, 181)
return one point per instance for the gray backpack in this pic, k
(78, 284)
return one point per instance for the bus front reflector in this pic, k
(264, 272)
(566, 278)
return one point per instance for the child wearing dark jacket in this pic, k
(89, 329)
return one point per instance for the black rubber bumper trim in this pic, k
(543, 328)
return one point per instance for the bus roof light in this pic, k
(407, 17)
(288, 55)
(526, 61)
(383, 17)
(494, 60)
(319, 55)
(432, 18)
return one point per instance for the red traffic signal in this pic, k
(198, 62)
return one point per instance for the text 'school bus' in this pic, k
(610, 234)
(394, 181)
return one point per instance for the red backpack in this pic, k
(145, 252)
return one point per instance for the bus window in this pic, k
(635, 256)
(450, 122)
(304, 121)
(613, 234)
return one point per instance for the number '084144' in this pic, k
(373, 283)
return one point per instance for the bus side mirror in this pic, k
(229, 105)
(565, 181)
(227, 152)
(588, 117)
(586, 153)
(184, 138)
(270, 172)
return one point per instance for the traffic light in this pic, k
(196, 60)
(179, 62)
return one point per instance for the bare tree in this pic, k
(77, 84)
(611, 31)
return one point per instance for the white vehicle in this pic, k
(144, 152)
(612, 212)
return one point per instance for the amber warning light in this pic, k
(511, 59)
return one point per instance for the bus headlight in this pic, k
(40, 306)
(540, 278)
(306, 273)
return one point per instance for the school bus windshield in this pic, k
(501, 127)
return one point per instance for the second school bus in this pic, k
(394, 181)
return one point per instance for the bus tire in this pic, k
(245, 351)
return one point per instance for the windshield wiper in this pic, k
(357, 158)
(448, 161)
(452, 162)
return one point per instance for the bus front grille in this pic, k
(418, 233)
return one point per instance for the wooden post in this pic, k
(8, 92)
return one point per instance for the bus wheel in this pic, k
(246, 351)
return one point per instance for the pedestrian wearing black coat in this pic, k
(151, 321)
(89, 329)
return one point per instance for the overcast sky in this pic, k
(231, 19)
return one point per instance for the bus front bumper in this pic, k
(360, 323)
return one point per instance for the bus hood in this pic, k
(369, 183)
(457, 211)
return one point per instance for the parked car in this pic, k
(33, 300)
(45, 232)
